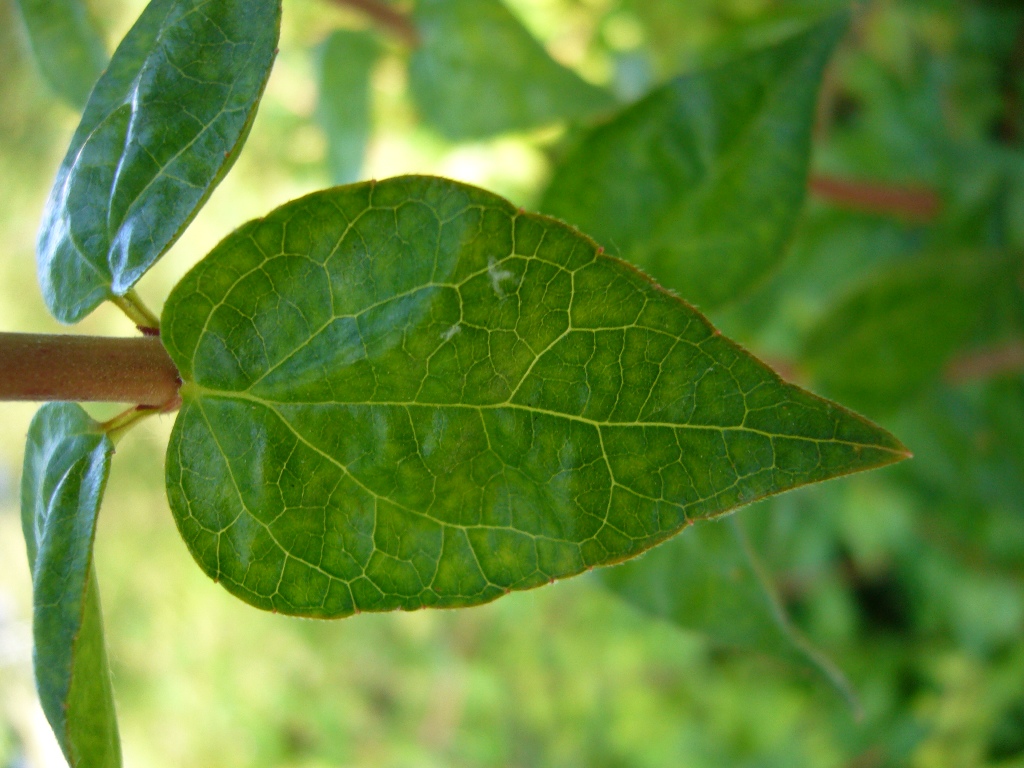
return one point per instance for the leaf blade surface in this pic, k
(478, 72)
(161, 129)
(67, 461)
(346, 61)
(410, 393)
(700, 183)
(67, 47)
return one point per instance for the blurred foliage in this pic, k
(910, 579)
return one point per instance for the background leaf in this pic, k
(710, 580)
(67, 460)
(700, 183)
(160, 130)
(67, 47)
(479, 72)
(888, 339)
(346, 60)
(411, 394)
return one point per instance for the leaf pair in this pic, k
(161, 128)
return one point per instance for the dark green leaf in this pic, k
(478, 72)
(411, 394)
(346, 61)
(710, 580)
(67, 460)
(68, 49)
(889, 339)
(160, 130)
(700, 183)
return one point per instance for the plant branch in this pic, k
(918, 204)
(1007, 358)
(386, 17)
(87, 369)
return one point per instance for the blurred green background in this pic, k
(911, 579)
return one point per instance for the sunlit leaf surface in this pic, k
(67, 46)
(479, 72)
(412, 394)
(161, 128)
(700, 182)
(67, 460)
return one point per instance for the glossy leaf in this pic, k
(410, 394)
(160, 130)
(67, 47)
(478, 72)
(67, 460)
(346, 60)
(700, 183)
(710, 580)
(887, 340)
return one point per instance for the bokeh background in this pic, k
(910, 579)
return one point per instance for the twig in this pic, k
(39, 367)
(987, 363)
(387, 17)
(914, 203)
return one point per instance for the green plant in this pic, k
(412, 393)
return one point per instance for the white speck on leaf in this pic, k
(498, 276)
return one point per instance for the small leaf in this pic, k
(161, 129)
(346, 60)
(889, 339)
(709, 580)
(67, 460)
(408, 393)
(479, 72)
(700, 183)
(67, 47)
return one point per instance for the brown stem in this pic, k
(987, 363)
(87, 368)
(387, 17)
(914, 203)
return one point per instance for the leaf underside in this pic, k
(478, 72)
(67, 48)
(700, 183)
(67, 460)
(160, 130)
(409, 393)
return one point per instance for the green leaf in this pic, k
(410, 393)
(710, 580)
(346, 60)
(700, 183)
(479, 72)
(67, 47)
(889, 339)
(67, 460)
(161, 129)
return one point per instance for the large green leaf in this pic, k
(700, 183)
(68, 49)
(410, 393)
(161, 128)
(478, 72)
(889, 338)
(346, 61)
(67, 460)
